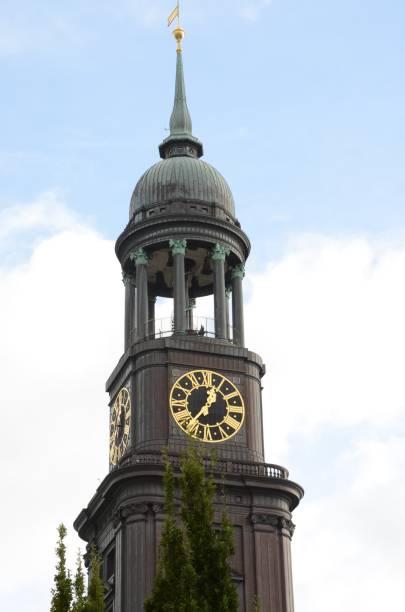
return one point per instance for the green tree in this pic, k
(193, 573)
(174, 587)
(62, 591)
(80, 599)
(95, 596)
(210, 547)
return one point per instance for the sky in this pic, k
(301, 106)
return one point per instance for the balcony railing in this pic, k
(242, 468)
(201, 326)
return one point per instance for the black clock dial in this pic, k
(120, 426)
(207, 406)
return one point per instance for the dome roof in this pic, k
(182, 179)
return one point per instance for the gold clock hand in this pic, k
(212, 396)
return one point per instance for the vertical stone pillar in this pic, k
(229, 333)
(178, 248)
(130, 310)
(151, 316)
(190, 313)
(140, 258)
(218, 256)
(238, 273)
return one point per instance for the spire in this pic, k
(181, 141)
(180, 121)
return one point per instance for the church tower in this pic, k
(187, 378)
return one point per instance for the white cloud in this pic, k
(327, 318)
(47, 212)
(348, 550)
(60, 329)
(333, 335)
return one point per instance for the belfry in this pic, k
(187, 378)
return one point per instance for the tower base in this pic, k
(126, 516)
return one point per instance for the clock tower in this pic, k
(187, 378)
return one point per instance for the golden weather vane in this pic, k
(178, 32)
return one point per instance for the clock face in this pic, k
(120, 425)
(207, 406)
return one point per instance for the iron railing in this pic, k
(200, 326)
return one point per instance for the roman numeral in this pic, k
(192, 427)
(179, 388)
(179, 403)
(207, 378)
(223, 433)
(207, 434)
(236, 409)
(231, 395)
(193, 380)
(231, 422)
(182, 417)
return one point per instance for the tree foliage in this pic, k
(193, 573)
(174, 587)
(70, 596)
(62, 591)
(80, 599)
(95, 597)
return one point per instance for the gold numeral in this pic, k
(236, 409)
(182, 417)
(223, 433)
(193, 380)
(231, 395)
(192, 427)
(179, 403)
(179, 388)
(207, 378)
(231, 422)
(207, 434)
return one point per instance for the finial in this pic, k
(181, 141)
(178, 34)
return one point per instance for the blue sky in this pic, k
(300, 104)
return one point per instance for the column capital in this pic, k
(219, 252)
(238, 271)
(178, 247)
(128, 280)
(191, 304)
(139, 257)
(228, 292)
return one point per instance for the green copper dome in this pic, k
(181, 182)
(182, 179)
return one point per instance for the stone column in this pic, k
(218, 255)
(229, 333)
(238, 273)
(130, 310)
(151, 316)
(178, 248)
(190, 316)
(140, 258)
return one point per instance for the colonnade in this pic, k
(140, 306)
